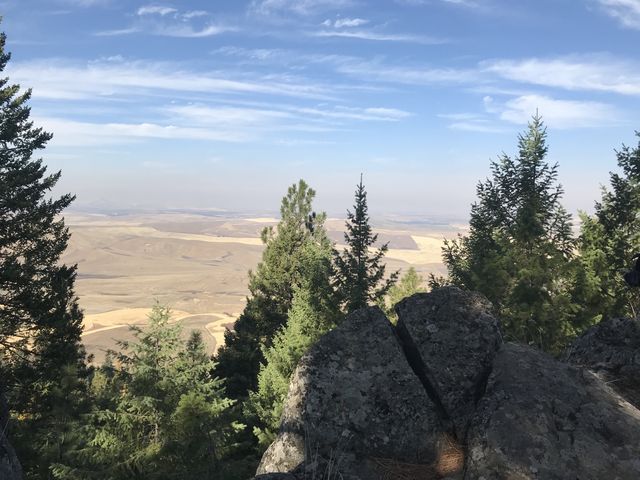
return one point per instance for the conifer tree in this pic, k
(608, 241)
(519, 249)
(410, 283)
(359, 277)
(160, 414)
(272, 287)
(313, 312)
(41, 358)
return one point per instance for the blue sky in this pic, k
(222, 104)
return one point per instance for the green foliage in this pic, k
(313, 312)
(520, 247)
(608, 240)
(359, 273)
(410, 283)
(272, 287)
(159, 413)
(41, 359)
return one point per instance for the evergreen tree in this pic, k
(313, 312)
(160, 414)
(410, 283)
(359, 273)
(519, 249)
(41, 358)
(272, 287)
(608, 241)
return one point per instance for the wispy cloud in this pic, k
(464, 3)
(70, 133)
(117, 32)
(187, 31)
(350, 113)
(413, 3)
(168, 21)
(156, 10)
(472, 122)
(345, 22)
(627, 12)
(592, 73)
(477, 126)
(87, 3)
(194, 14)
(408, 75)
(348, 28)
(177, 31)
(560, 114)
(59, 79)
(300, 7)
(381, 37)
(475, 4)
(258, 54)
(227, 115)
(282, 114)
(225, 123)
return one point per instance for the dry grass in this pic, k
(121, 317)
(196, 264)
(450, 461)
(451, 457)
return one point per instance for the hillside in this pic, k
(198, 264)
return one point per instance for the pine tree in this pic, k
(359, 277)
(272, 287)
(410, 283)
(519, 249)
(41, 358)
(159, 413)
(313, 312)
(608, 240)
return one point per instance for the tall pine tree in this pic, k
(608, 241)
(41, 358)
(272, 287)
(520, 246)
(313, 312)
(359, 277)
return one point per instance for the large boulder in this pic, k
(355, 407)
(443, 397)
(276, 476)
(542, 419)
(451, 339)
(611, 349)
(10, 468)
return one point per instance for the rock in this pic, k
(10, 468)
(284, 454)
(542, 419)
(451, 338)
(277, 476)
(446, 399)
(611, 349)
(355, 407)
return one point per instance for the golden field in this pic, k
(197, 263)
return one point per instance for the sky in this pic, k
(224, 103)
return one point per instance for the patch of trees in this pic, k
(546, 284)
(161, 408)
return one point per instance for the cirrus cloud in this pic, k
(627, 12)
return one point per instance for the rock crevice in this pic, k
(441, 396)
(452, 338)
(416, 363)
